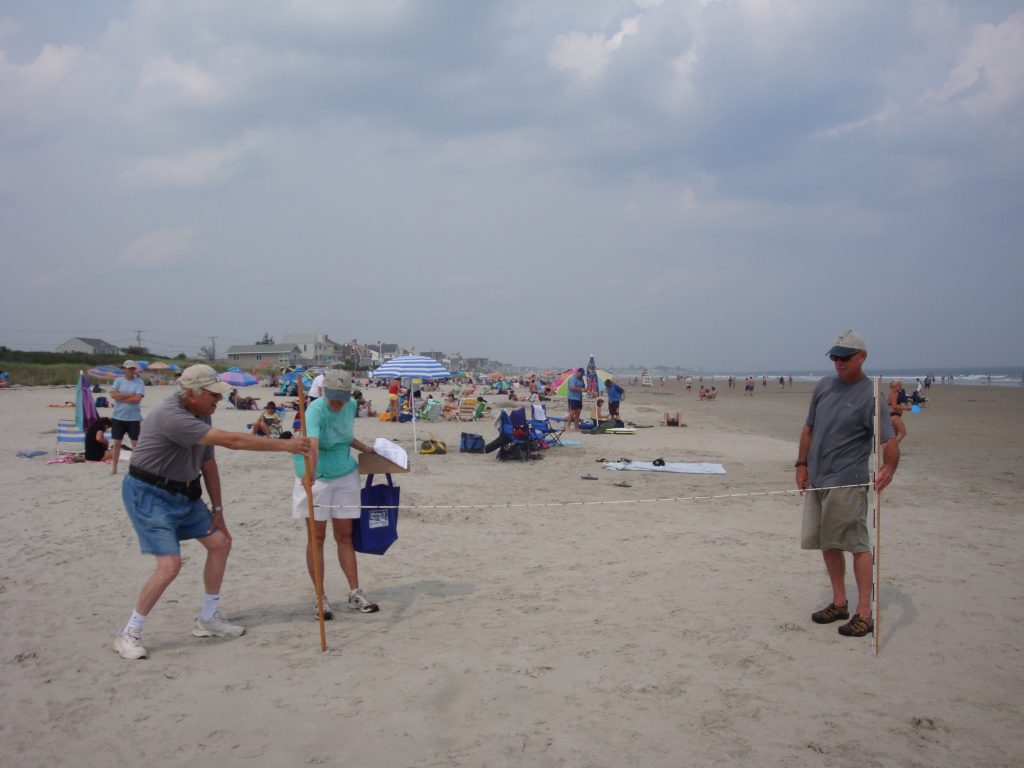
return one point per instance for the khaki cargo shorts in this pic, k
(836, 519)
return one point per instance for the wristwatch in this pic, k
(218, 509)
(800, 464)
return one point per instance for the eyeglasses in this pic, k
(842, 358)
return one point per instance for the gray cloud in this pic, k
(723, 184)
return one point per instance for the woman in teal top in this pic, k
(330, 421)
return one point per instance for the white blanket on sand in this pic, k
(700, 468)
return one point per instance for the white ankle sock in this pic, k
(211, 603)
(135, 623)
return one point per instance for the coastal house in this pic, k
(316, 348)
(259, 355)
(89, 346)
(362, 357)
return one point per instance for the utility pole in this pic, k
(213, 347)
(138, 339)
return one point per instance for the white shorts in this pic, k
(336, 499)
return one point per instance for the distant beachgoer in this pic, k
(701, 393)
(748, 387)
(394, 392)
(576, 388)
(782, 383)
(127, 393)
(896, 409)
(5, 379)
(790, 381)
(673, 421)
(316, 389)
(835, 446)
(97, 447)
(615, 394)
(711, 394)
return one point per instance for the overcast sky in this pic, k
(719, 184)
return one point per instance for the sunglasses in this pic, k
(842, 358)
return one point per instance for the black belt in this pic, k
(191, 489)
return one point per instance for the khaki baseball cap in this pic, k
(129, 364)
(202, 376)
(848, 343)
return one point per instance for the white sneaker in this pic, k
(217, 626)
(328, 613)
(129, 646)
(357, 602)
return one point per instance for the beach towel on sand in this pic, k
(699, 468)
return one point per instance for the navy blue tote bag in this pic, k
(377, 526)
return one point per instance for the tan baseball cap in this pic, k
(848, 343)
(202, 376)
(129, 364)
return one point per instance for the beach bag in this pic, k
(404, 417)
(433, 446)
(377, 526)
(471, 443)
(101, 402)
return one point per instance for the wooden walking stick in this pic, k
(876, 582)
(307, 483)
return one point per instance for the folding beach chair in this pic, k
(513, 442)
(70, 439)
(551, 428)
(431, 411)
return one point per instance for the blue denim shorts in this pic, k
(163, 519)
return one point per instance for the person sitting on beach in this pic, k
(268, 423)
(97, 447)
(711, 394)
(363, 406)
(241, 403)
(677, 421)
(701, 393)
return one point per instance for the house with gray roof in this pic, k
(89, 346)
(259, 355)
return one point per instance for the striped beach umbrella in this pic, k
(412, 367)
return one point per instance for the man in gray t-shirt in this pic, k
(835, 447)
(163, 496)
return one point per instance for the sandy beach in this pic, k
(617, 634)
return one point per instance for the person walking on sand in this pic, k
(163, 497)
(835, 446)
(330, 426)
(575, 390)
(127, 393)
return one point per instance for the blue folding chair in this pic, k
(549, 427)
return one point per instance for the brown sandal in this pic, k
(830, 613)
(858, 626)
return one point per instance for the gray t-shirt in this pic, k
(168, 445)
(842, 422)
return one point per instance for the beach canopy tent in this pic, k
(412, 367)
(561, 383)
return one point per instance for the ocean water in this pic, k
(1000, 376)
